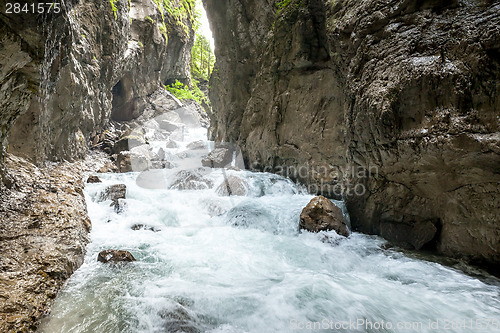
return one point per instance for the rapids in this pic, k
(212, 263)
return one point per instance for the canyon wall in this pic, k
(64, 75)
(391, 105)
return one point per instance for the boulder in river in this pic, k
(321, 214)
(217, 158)
(93, 179)
(115, 256)
(179, 318)
(130, 139)
(132, 161)
(114, 193)
(232, 185)
(171, 116)
(140, 226)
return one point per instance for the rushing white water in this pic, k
(249, 269)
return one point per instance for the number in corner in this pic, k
(39, 8)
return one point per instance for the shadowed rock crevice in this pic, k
(123, 106)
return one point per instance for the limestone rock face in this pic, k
(65, 75)
(392, 106)
(43, 234)
(321, 214)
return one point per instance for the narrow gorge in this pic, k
(339, 163)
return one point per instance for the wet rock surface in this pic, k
(115, 256)
(115, 193)
(392, 106)
(43, 234)
(321, 214)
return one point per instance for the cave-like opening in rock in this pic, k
(123, 104)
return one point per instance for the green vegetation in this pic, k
(182, 92)
(202, 58)
(286, 12)
(113, 7)
(282, 4)
(149, 19)
(175, 14)
(163, 30)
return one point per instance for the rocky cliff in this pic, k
(64, 75)
(392, 105)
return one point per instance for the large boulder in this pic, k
(197, 145)
(115, 256)
(321, 214)
(171, 116)
(130, 139)
(113, 193)
(232, 185)
(132, 161)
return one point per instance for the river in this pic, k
(213, 263)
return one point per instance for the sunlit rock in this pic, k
(321, 214)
